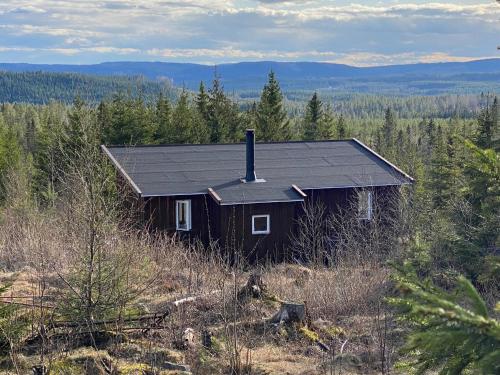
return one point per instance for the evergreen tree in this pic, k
(451, 333)
(272, 120)
(443, 176)
(181, 121)
(10, 153)
(71, 143)
(488, 127)
(104, 121)
(31, 136)
(163, 132)
(482, 171)
(202, 103)
(326, 127)
(130, 121)
(388, 134)
(312, 119)
(49, 158)
(218, 113)
(341, 128)
(235, 128)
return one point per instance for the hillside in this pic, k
(41, 87)
(247, 78)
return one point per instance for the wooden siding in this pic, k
(236, 230)
(231, 226)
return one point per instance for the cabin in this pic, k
(248, 196)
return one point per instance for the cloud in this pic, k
(220, 30)
(237, 54)
(27, 9)
(377, 59)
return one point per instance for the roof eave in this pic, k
(412, 180)
(121, 170)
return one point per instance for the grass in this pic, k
(339, 301)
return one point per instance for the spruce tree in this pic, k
(74, 130)
(163, 131)
(10, 153)
(326, 126)
(312, 119)
(30, 137)
(272, 121)
(202, 103)
(388, 134)
(341, 128)
(217, 113)
(451, 333)
(181, 121)
(482, 192)
(488, 127)
(104, 121)
(131, 121)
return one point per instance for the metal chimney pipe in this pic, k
(250, 177)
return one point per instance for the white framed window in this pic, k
(365, 205)
(183, 215)
(261, 224)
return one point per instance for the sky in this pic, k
(361, 33)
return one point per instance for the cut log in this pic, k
(289, 313)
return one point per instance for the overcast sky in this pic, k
(215, 31)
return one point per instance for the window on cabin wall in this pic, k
(183, 215)
(261, 224)
(365, 205)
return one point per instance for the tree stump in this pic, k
(290, 313)
(254, 288)
(188, 338)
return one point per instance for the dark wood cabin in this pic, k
(248, 196)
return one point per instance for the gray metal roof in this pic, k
(192, 169)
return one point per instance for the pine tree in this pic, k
(451, 333)
(312, 119)
(272, 120)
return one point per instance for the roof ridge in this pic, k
(227, 144)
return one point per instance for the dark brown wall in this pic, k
(231, 226)
(159, 213)
(236, 229)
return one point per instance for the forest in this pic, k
(81, 288)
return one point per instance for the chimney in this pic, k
(250, 177)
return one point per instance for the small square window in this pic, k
(365, 206)
(261, 224)
(183, 215)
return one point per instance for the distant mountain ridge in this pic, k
(42, 83)
(252, 75)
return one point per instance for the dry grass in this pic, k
(35, 248)
(330, 292)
